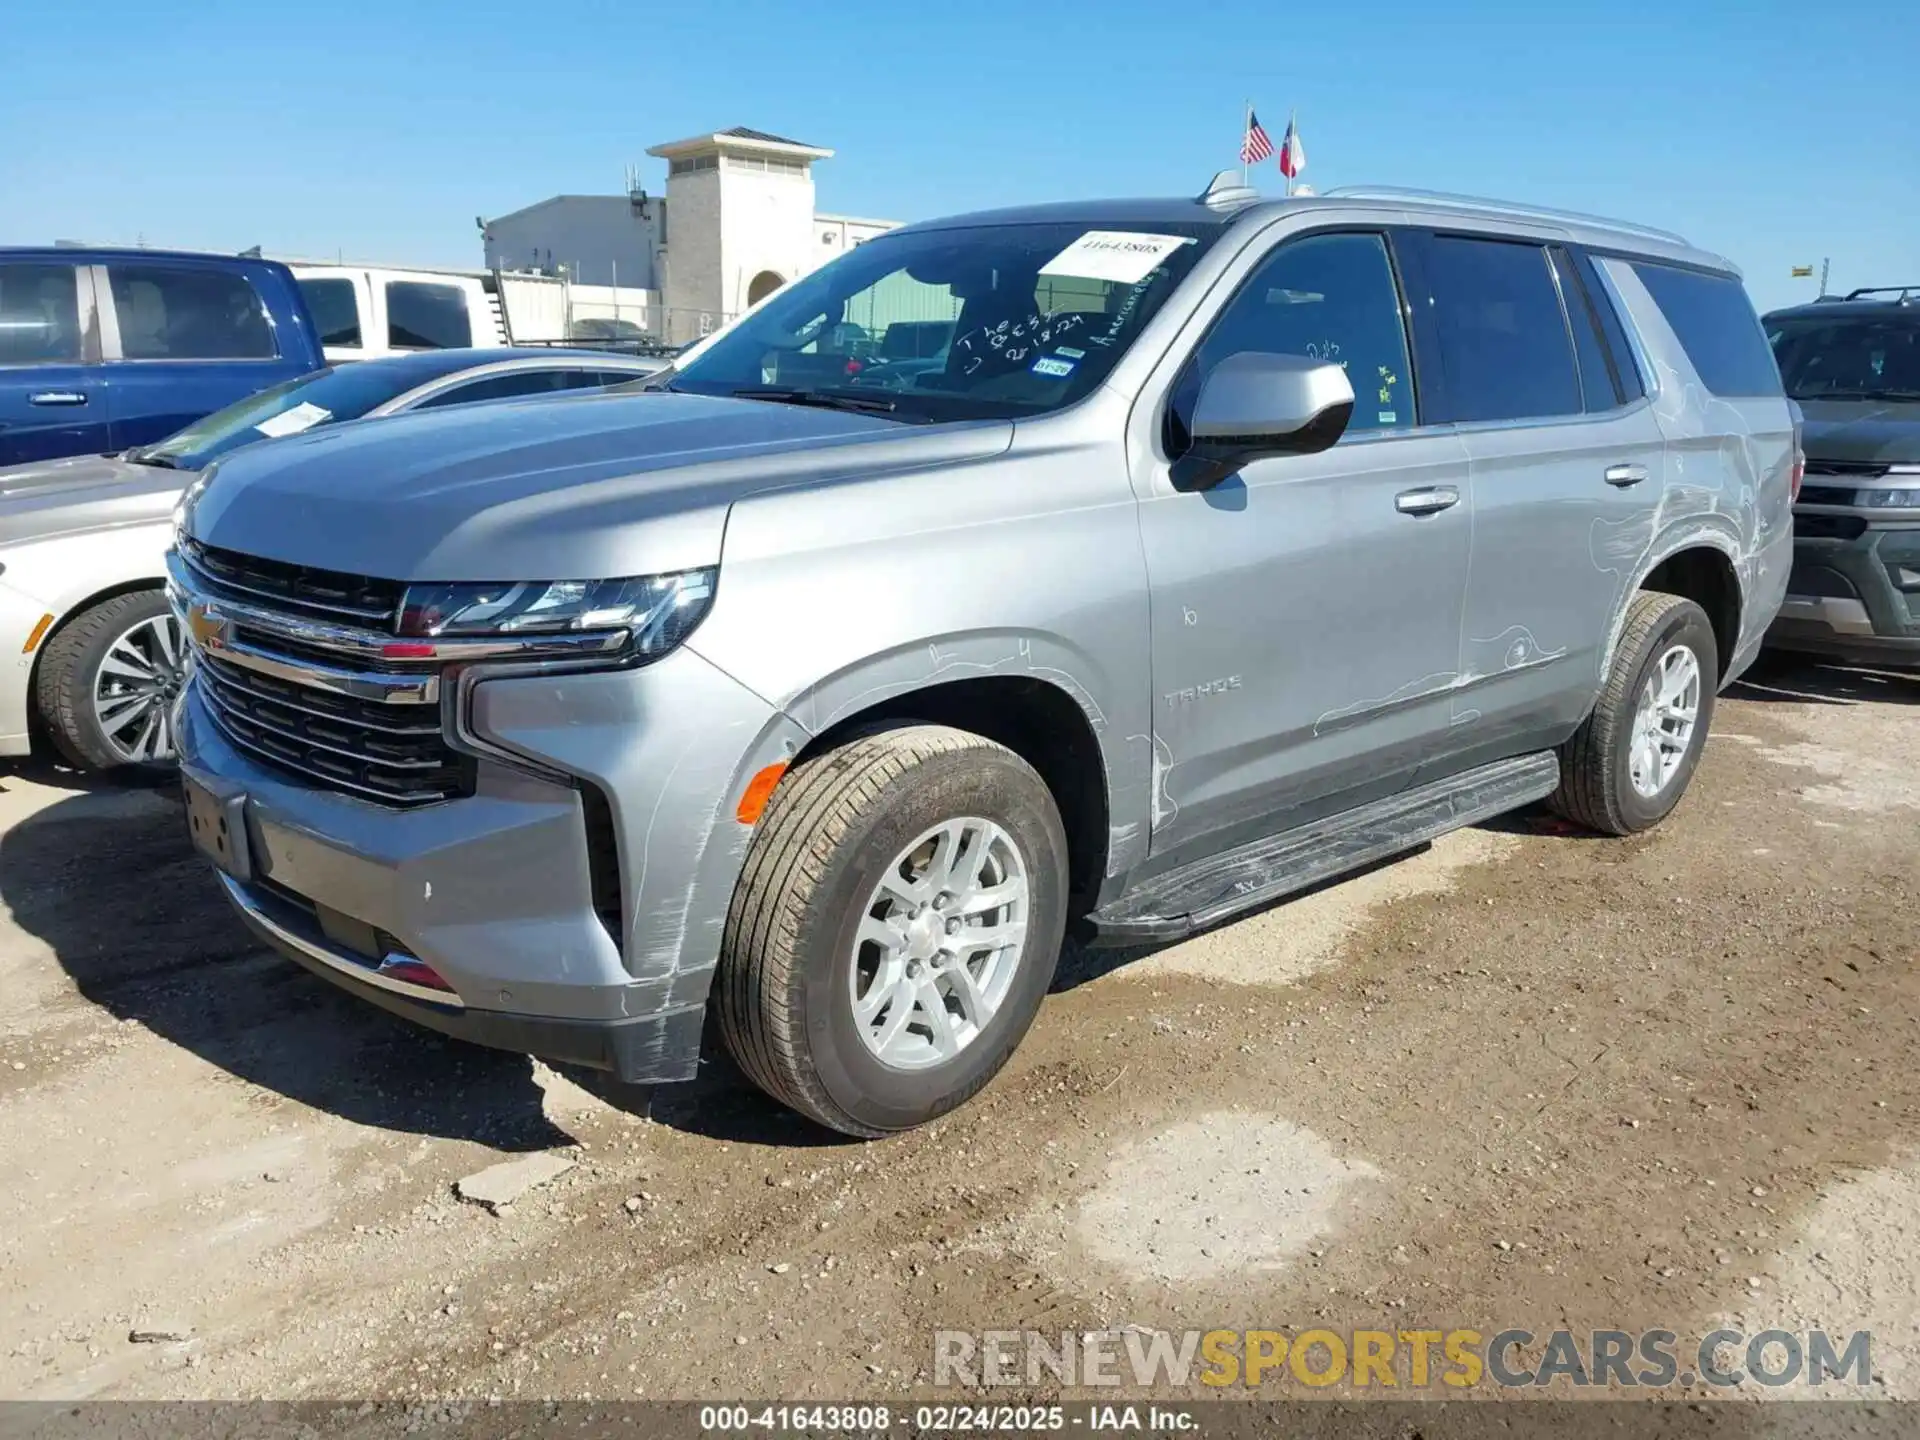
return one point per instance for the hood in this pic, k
(83, 492)
(1862, 432)
(582, 488)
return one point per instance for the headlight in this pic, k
(656, 611)
(183, 507)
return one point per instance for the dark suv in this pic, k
(1854, 366)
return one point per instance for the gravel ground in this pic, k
(1527, 1078)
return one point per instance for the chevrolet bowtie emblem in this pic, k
(207, 625)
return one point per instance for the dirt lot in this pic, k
(1527, 1078)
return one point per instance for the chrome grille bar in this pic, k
(346, 706)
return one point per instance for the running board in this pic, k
(1205, 892)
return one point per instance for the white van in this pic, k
(363, 312)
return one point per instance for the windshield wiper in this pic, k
(825, 399)
(142, 457)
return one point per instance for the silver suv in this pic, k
(1180, 554)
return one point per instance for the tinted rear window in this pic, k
(1503, 336)
(1716, 326)
(427, 317)
(189, 314)
(336, 315)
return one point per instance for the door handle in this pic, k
(1625, 475)
(57, 397)
(1430, 501)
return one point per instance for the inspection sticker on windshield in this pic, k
(1122, 256)
(1049, 365)
(303, 416)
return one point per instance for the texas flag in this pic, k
(1293, 155)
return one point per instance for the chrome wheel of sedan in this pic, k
(1663, 721)
(938, 944)
(135, 687)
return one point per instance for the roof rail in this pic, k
(1901, 290)
(1500, 207)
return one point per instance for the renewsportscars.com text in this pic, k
(1450, 1359)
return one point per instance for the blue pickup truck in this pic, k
(101, 350)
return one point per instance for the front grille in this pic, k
(1855, 470)
(325, 594)
(396, 754)
(296, 680)
(1827, 495)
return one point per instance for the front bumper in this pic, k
(494, 890)
(1853, 596)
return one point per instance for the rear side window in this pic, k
(1327, 297)
(39, 315)
(1599, 384)
(1502, 335)
(1716, 326)
(336, 314)
(180, 314)
(1607, 309)
(421, 316)
(515, 384)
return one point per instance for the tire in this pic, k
(70, 670)
(792, 953)
(1597, 786)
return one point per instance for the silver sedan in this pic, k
(96, 657)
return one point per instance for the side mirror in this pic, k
(1253, 405)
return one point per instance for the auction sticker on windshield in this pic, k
(1122, 256)
(303, 416)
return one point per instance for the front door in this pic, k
(1306, 612)
(52, 403)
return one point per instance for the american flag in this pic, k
(1256, 147)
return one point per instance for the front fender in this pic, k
(1048, 659)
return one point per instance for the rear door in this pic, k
(1305, 612)
(181, 340)
(52, 401)
(1564, 457)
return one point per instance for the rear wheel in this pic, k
(1629, 764)
(895, 929)
(108, 680)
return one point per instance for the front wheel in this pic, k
(108, 681)
(895, 928)
(1629, 764)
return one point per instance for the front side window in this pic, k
(335, 310)
(991, 321)
(1849, 357)
(1325, 297)
(181, 314)
(1715, 324)
(1502, 336)
(423, 316)
(39, 314)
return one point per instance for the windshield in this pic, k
(285, 409)
(992, 321)
(1863, 357)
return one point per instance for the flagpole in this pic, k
(1292, 116)
(1246, 127)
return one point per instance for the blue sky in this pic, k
(1773, 133)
